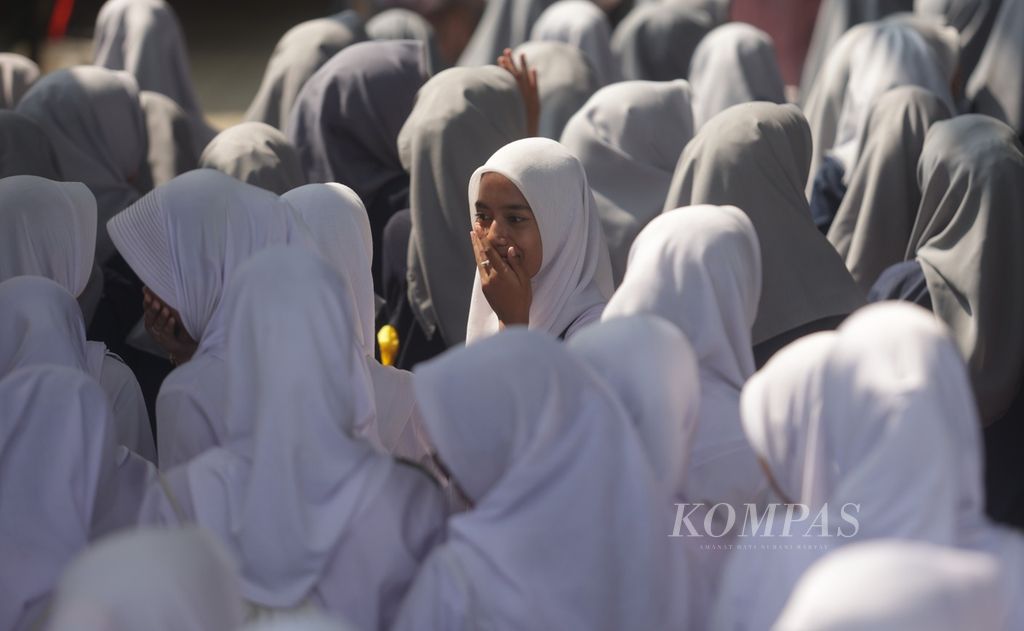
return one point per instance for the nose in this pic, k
(496, 234)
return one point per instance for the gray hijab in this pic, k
(755, 156)
(997, 86)
(144, 38)
(406, 24)
(584, 25)
(873, 224)
(17, 74)
(565, 81)
(299, 53)
(172, 144)
(94, 120)
(256, 154)
(968, 237)
(629, 136)
(973, 18)
(25, 149)
(346, 119)
(656, 41)
(461, 117)
(836, 17)
(504, 24)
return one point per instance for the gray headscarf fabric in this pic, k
(144, 38)
(565, 81)
(25, 149)
(504, 24)
(585, 26)
(406, 24)
(735, 63)
(172, 144)
(461, 117)
(836, 17)
(346, 119)
(967, 238)
(997, 86)
(755, 156)
(17, 74)
(973, 18)
(873, 224)
(298, 55)
(629, 136)
(94, 120)
(256, 154)
(656, 41)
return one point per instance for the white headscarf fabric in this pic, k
(628, 137)
(656, 40)
(974, 19)
(872, 226)
(734, 63)
(889, 55)
(56, 452)
(49, 230)
(993, 88)
(292, 477)
(700, 268)
(766, 147)
(399, 24)
(256, 154)
(504, 24)
(565, 80)
(897, 586)
(971, 174)
(299, 53)
(160, 580)
(545, 453)
(461, 117)
(582, 24)
(95, 122)
(173, 147)
(575, 277)
(17, 74)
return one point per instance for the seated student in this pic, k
(541, 257)
(965, 264)
(569, 525)
(314, 513)
(805, 286)
(56, 461)
(159, 579)
(256, 154)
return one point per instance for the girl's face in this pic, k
(507, 221)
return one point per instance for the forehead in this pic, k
(498, 192)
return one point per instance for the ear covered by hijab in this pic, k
(575, 276)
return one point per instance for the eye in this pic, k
(515, 219)
(483, 218)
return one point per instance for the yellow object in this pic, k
(387, 340)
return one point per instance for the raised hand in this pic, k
(506, 285)
(526, 79)
(164, 324)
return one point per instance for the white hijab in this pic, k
(173, 148)
(17, 74)
(298, 54)
(734, 63)
(504, 24)
(874, 220)
(582, 24)
(656, 40)
(399, 24)
(700, 268)
(461, 117)
(995, 88)
(256, 154)
(56, 453)
(890, 55)
(49, 230)
(144, 38)
(971, 175)
(154, 579)
(974, 19)
(628, 137)
(546, 453)
(98, 130)
(767, 148)
(291, 476)
(897, 586)
(575, 276)
(565, 80)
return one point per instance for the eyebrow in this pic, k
(480, 205)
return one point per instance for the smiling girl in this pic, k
(541, 257)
